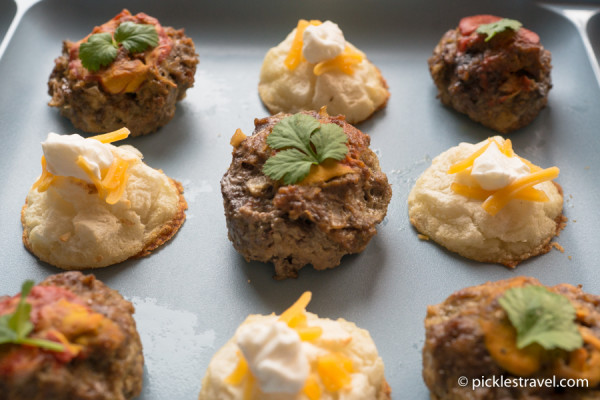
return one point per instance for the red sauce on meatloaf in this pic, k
(61, 316)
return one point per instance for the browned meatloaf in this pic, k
(137, 90)
(459, 331)
(502, 83)
(299, 224)
(102, 357)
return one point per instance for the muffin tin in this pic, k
(191, 294)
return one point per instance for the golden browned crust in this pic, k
(545, 247)
(386, 391)
(169, 229)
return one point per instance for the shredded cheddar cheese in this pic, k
(124, 76)
(333, 370)
(345, 62)
(312, 390)
(500, 340)
(113, 180)
(521, 189)
(325, 171)
(297, 308)
(583, 363)
(237, 138)
(239, 373)
(295, 57)
(45, 180)
(500, 198)
(113, 136)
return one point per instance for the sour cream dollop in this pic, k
(322, 42)
(493, 170)
(61, 153)
(275, 355)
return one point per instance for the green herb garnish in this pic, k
(15, 327)
(543, 317)
(101, 49)
(306, 143)
(499, 26)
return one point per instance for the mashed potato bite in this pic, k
(356, 95)
(296, 356)
(520, 230)
(70, 226)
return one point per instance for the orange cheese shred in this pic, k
(311, 389)
(477, 193)
(344, 62)
(237, 138)
(495, 200)
(583, 363)
(325, 171)
(124, 76)
(249, 387)
(500, 341)
(507, 148)
(112, 186)
(81, 163)
(295, 57)
(309, 333)
(113, 136)
(502, 197)
(45, 180)
(468, 162)
(239, 373)
(335, 370)
(297, 308)
(589, 337)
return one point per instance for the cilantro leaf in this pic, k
(291, 165)
(330, 142)
(499, 26)
(19, 322)
(305, 142)
(136, 37)
(101, 49)
(15, 327)
(541, 316)
(295, 132)
(98, 51)
(7, 335)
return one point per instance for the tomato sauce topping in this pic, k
(468, 26)
(124, 74)
(59, 315)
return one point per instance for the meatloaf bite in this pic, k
(493, 70)
(77, 340)
(303, 189)
(147, 70)
(541, 342)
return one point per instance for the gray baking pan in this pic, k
(8, 9)
(191, 294)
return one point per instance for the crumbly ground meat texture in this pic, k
(100, 376)
(295, 225)
(454, 345)
(93, 109)
(503, 83)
